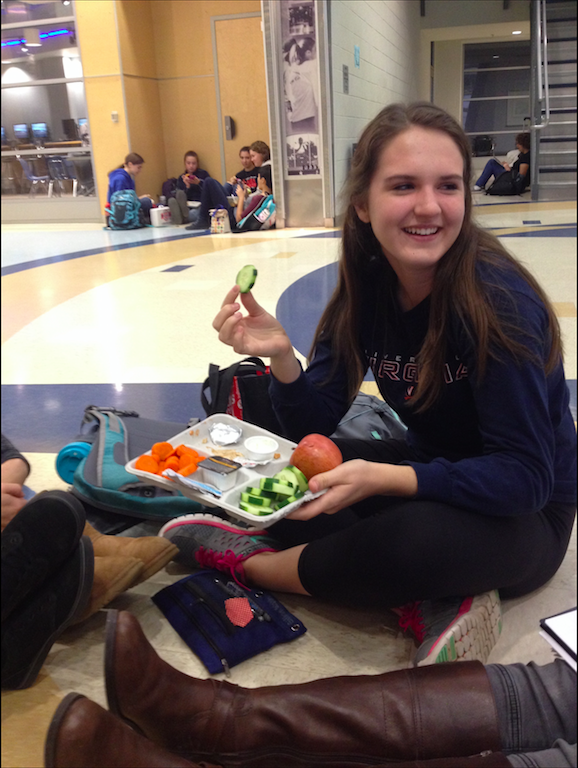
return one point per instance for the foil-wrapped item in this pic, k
(225, 434)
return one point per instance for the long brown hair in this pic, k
(457, 287)
(133, 158)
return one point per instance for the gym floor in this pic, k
(124, 319)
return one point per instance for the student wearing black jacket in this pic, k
(189, 189)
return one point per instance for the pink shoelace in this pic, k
(411, 618)
(221, 561)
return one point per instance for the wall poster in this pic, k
(300, 68)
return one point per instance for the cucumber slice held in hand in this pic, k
(246, 278)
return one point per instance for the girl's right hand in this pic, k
(258, 333)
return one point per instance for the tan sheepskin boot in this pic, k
(112, 576)
(153, 551)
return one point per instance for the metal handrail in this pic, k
(546, 83)
(542, 64)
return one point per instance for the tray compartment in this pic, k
(198, 437)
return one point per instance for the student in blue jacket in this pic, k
(123, 177)
(465, 346)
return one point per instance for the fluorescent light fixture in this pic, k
(55, 33)
(21, 41)
(33, 38)
(517, 32)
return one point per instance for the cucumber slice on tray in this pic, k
(280, 487)
(289, 500)
(300, 477)
(254, 510)
(256, 501)
(246, 278)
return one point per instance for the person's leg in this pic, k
(146, 204)
(493, 168)
(83, 734)
(536, 705)
(194, 217)
(560, 755)
(213, 196)
(36, 543)
(446, 710)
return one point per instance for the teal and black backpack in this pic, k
(94, 465)
(125, 210)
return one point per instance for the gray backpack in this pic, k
(370, 418)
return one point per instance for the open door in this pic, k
(242, 85)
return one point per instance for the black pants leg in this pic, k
(387, 551)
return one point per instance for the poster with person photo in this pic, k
(302, 155)
(300, 69)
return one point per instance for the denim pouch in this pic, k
(223, 623)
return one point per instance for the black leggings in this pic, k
(386, 551)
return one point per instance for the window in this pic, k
(45, 131)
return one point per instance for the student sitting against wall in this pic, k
(123, 178)
(521, 166)
(189, 189)
(247, 177)
(214, 195)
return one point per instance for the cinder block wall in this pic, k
(388, 36)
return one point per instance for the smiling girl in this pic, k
(465, 346)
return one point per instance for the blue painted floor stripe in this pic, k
(565, 231)
(92, 252)
(45, 417)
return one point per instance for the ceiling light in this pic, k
(517, 32)
(24, 49)
(65, 2)
(33, 38)
(495, 57)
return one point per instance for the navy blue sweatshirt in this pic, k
(194, 191)
(502, 445)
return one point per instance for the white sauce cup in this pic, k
(260, 447)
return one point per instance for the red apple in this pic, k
(315, 454)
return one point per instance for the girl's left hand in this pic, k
(354, 481)
(348, 483)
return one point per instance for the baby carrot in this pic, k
(147, 464)
(163, 450)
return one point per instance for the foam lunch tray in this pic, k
(198, 437)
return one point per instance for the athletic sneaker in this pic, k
(453, 629)
(207, 541)
(477, 189)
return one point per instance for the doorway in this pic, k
(241, 85)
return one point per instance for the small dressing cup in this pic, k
(260, 447)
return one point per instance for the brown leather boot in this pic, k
(444, 710)
(154, 551)
(112, 576)
(84, 735)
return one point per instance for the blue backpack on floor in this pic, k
(94, 464)
(125, 210)
(260, 219)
